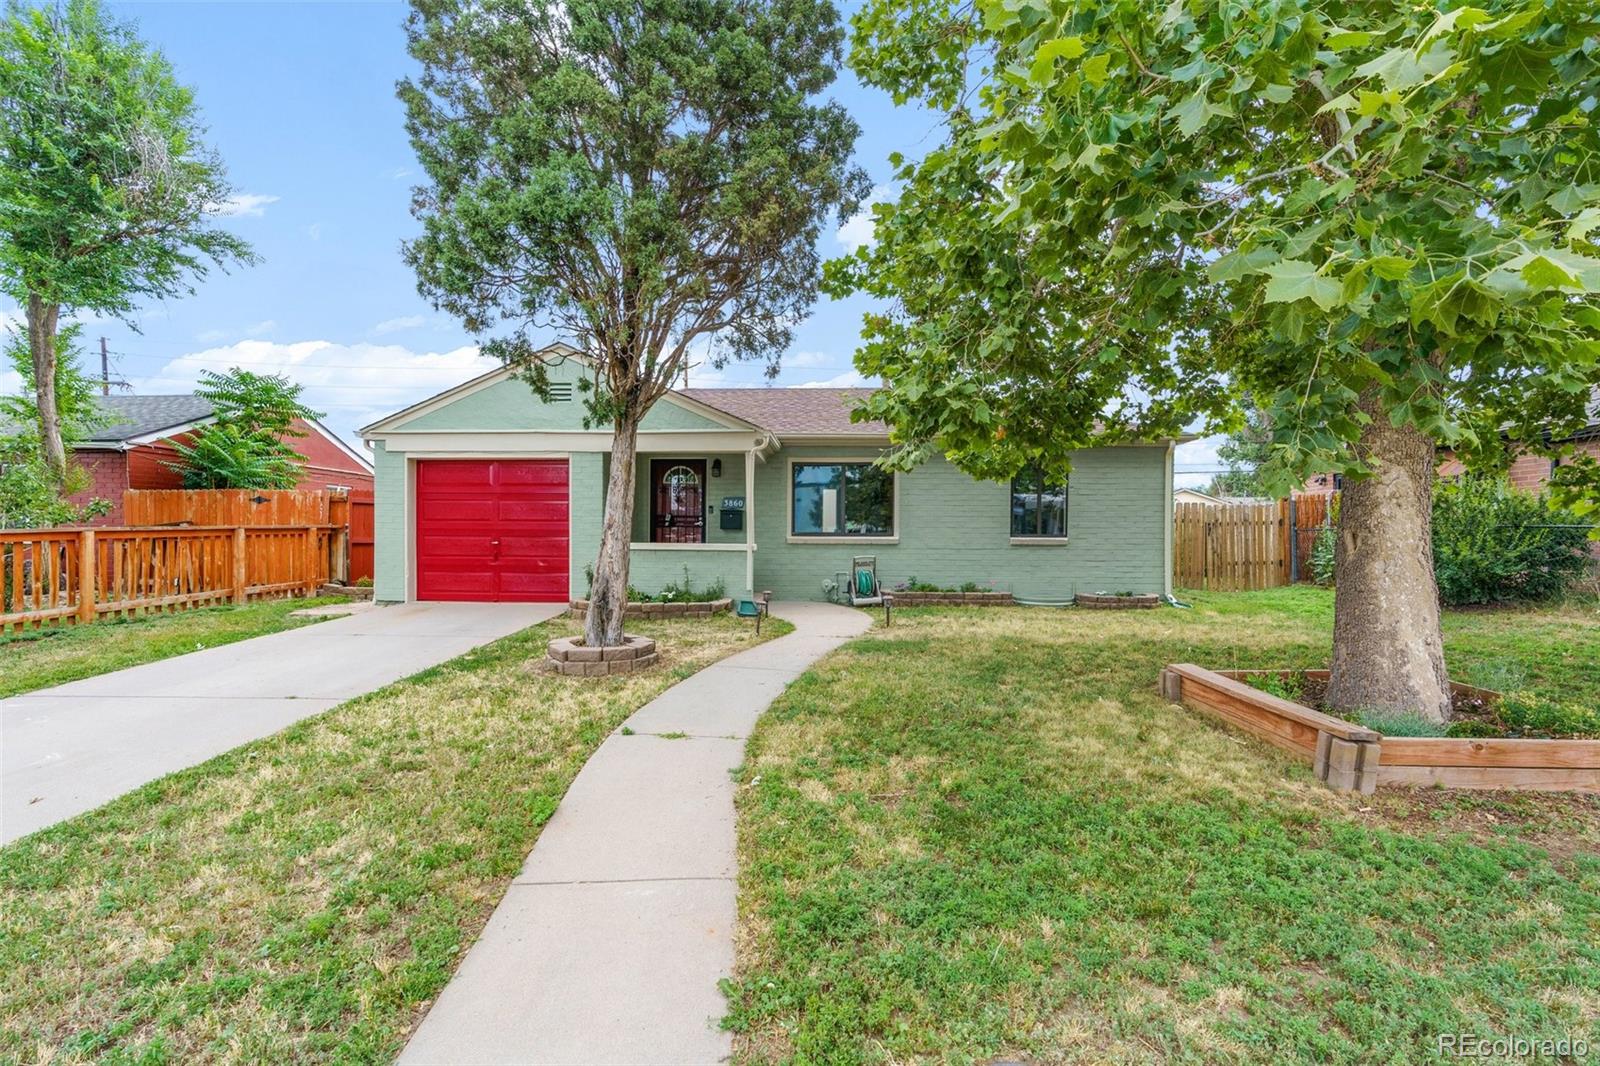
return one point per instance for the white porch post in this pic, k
(750, 521)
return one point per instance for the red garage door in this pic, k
(492, 529)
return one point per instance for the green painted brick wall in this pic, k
(388, 523)
(953, 529)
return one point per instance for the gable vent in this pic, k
(560, 392)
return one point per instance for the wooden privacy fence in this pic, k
(62, 576)
(226, 507)
(349, 510)
(1231, 546)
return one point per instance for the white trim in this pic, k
(833, 538)
(1039, 541)
(523, 442)
(699, 546)
(157, 436)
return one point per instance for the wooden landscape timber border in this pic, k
(951, 599)
(578, 608)
(1349, 757)
(76, 576)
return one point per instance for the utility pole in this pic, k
(105, 369)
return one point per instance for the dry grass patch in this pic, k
(984, 833)
(303, 897)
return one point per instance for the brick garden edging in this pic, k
(1349, 757)
(951, 599)
(1105, 601)
(702, 608)
(569, 656)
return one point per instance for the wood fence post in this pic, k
(312, 565)
(240, 576)
(87, 560)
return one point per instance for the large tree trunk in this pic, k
(42, 318)
(1388, 653)
(608, 596)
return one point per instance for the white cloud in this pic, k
(314, 231)
(404, 322)
(211, 336)
(1194, 462)
(261, 329)
(399, 172)
(242, 204)
(857, 229)
(850, 379)
(354, 384)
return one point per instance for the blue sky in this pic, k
(299, 98)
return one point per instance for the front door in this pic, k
(678, 501)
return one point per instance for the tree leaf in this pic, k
(1044, 60)
(1296, 279)
(1236, 265)
(1193, 111)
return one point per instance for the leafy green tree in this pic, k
(647, 176)
(106, 186)
(248, 445)
(30, 493)
(1244, 451)
(1375, 217)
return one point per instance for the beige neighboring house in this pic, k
(1208, 500)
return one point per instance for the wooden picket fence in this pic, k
(1229, 547)
(65, 576)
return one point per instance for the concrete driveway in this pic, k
(69, 749)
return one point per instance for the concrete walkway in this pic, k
(608, 947)
(69, 749)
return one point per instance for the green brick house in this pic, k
(484, 492)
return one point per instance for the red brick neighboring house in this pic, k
(132, 451)
(1528, 472)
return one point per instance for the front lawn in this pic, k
(303, 897)
(54, 655)
(982, 833)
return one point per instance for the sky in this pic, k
(299, 100)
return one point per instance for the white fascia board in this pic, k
(525, 442)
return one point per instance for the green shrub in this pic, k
(1492, 543)
(363, 582)
(1469, 728)
(1524, 712)
(1285, 688)
(1400, 724)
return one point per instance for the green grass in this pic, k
(982, 833)
(40, 658)
(302, 898)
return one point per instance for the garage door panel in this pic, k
(456, 473)
(464, 506)
(446, 511)
(551, 473)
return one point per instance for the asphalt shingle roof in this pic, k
(793, 410)
(136, 416)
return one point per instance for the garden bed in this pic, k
(947, 598)
(1349, 756)
(1116, 601)
(570, 656)
(684, 609)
